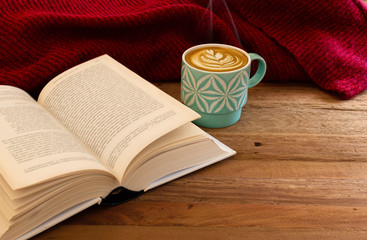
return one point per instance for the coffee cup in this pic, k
(214, 82)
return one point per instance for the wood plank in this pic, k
(328, 192)
(277, 147)
(211, 214)
(198, 233)
(261, 169)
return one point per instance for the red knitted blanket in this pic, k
(323, 41)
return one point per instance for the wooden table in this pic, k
(300, 173)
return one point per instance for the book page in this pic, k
(114, 112)
(59, 218)
(34, 147)
(185, 135)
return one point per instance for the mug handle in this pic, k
(260, 72)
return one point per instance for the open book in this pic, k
(95, 128)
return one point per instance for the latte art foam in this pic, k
(216, 59)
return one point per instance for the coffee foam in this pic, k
(216, 59)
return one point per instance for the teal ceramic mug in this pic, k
(214, 82)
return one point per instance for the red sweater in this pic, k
(323, 41)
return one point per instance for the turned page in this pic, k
(34, 147)
(114, 112)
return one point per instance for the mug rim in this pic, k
(214, 45)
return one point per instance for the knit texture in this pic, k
(301, 40)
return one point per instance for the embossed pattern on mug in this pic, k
(216, 59)
(213, 94)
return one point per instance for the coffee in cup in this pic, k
(216, 59)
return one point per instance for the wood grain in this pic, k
(300, 173)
